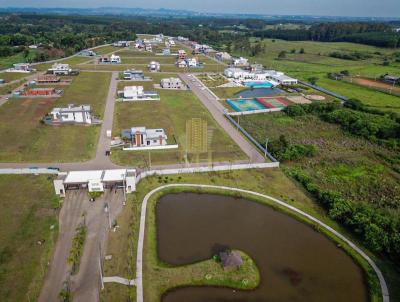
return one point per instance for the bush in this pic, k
(379, 230)
(285, 151)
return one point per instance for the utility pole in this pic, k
(266, 147)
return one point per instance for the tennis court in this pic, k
(241, 105)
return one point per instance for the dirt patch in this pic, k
(315, 97)
(299, 100)
(373, 84)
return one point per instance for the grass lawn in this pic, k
(316, 62)
(7, 88)
(105, 49)
(30, 141)
(123, 243)
(227, 92)
(27, 217)
(171, 114)
(11, 76)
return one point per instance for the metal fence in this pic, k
(341, 97)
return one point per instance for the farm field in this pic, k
(30, 141)
(171, 114)
(316, 62)
(28, 216)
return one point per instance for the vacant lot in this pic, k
(28, 230)
(359, 170)
(27, 140)
(11, 76)
(171, 114)
(316, 62)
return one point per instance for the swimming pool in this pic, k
(259, 84)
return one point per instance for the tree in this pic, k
(313, 80)
(302, 50)
(282, 54)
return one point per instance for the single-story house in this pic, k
(240, 61)
(87, 53)
(172, 83)
(21, 67)
(121, 44)
(142, 137)
(265, 75)
(154, 66)
(166, 52)
(95, 180)
(171, 42)
(71, 115)
(113, 59)
(41, 92)
(391, 79)
(60, 69)
(182, 39)
(181, 63)
(191, 62)
(133, 74)
(148, 47)
(137, 93)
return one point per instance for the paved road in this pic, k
(86, 284)
(139, 257)
(75, 204)
(216, 109)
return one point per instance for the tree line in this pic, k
(376, 34)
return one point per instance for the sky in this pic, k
(354, 8)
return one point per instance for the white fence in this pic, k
(255, 111)
(29, 171)
(206, 169)
(151, 148)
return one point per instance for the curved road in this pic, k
(139, 259)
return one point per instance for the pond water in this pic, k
(296, 263)
(258, 92)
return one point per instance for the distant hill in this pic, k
(162, 12)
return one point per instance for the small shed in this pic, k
(231, 259)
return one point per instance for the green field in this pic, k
(28, 216)
(316, 62)
(171, 114)
(30, 141)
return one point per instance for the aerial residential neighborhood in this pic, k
(241, 151)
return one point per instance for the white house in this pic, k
(121, 44)
(171, 42)
(87, 53)
(166, 52)
(21, 67)
(172, 83)
(137, 93)
(181, 63)
(182, 39)
(96, 180)
(115, 59)
(71, 115)
(60, 69)
(154, 66)
(148, 47)
(275, 77)
(142, 137)
(240, 61)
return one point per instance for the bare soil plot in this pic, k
(299, 99)
(375, 84)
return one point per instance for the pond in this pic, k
(259, 92)
(296, 263)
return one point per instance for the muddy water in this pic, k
(296, 263)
